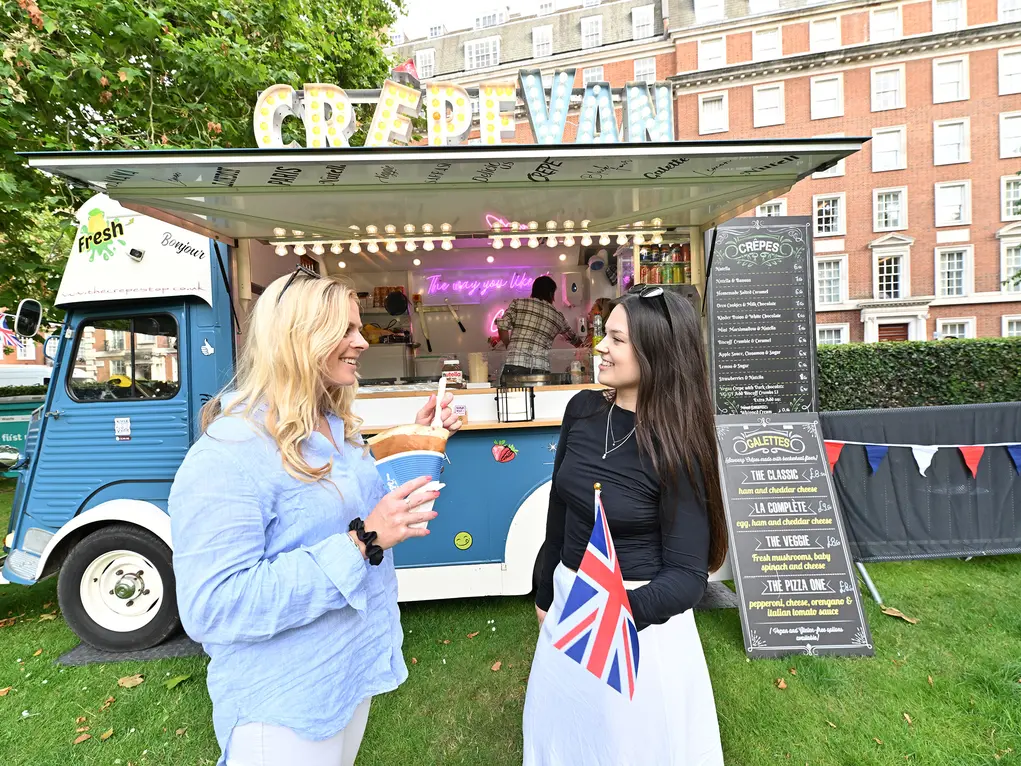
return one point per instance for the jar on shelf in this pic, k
(453, 373)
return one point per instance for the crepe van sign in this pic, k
(328, 115)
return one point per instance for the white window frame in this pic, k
(546, 7)
(702, 98)
(902, 130)
(759, 121)
(1005, 245)
(1006, 117)
(903, 191)
(436, 30)
(968, 279)
(837, 170)
(1005, 13)
(758, 54)
(815, 81)
(937, 27)
(968, 322)
(591, 3)
(542, 37)
(593, 74)
(420, 65)
(639, 76)
(841, 221)
(498, 15)
(845, 333)
(756, 7)
(782, 202)
(965, 149)
(1004, 214)
(1005, 321)
(904, 253)
(702, 44)
(844, 287)
(966, 213)
(816, 45)
(26, 351)
(470, 56)
(901, 91)
(1015, 54)
(645, 15)
(708, 11)
(937, 98)
(898, 27)
(588, 20)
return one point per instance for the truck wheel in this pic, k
(117, 589)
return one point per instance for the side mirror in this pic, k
(9, 457)
(28, 318)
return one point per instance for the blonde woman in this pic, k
(282, 533)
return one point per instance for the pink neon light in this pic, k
(493, 329)
(515, 282)
(492, 219)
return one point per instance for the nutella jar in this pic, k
(453, 373)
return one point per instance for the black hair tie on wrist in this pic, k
(372, 551)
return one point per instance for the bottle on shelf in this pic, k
(597, 330)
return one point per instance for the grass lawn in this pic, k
(455, 709)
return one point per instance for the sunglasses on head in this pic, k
(654, 291)
(298, 271)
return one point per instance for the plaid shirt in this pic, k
(533, 324)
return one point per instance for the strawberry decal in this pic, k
(504, 452)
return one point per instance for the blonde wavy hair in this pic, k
(283, 367)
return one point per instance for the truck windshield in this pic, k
(126, 358)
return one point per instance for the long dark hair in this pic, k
(675, 414)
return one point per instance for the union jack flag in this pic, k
(597, 628)
(10, 338)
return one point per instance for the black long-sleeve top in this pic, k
(668, 546)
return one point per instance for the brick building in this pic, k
(916, 234)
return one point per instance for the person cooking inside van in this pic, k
(528, 328)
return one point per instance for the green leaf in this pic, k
(173, 683)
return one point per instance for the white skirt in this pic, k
(571, 717)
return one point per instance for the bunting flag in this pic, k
(876, 453)
(833, 453)
(972, 455)
(1015, 455)
(923, 457)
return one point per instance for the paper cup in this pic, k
(403, 467)
(433, 486)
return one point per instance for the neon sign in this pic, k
(515, 282)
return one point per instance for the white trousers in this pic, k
(263, 744)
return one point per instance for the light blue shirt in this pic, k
(298, 626)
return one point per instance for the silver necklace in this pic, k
(607, 449)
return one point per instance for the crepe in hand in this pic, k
(408, 439)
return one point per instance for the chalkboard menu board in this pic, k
(762, 316)
(796, 587)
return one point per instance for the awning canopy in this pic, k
(249, 193)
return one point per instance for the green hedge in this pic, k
(862, 376)
(22, 391)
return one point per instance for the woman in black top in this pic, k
(650, 441)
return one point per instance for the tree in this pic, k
(140, 74)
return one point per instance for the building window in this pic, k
(888, 88)
(1010, 135)
(830, 281)
(889, 209)
(546, 7)
(1012, 327)
(824, 35)
(774, 209)
(396, 38)
(948, 15)
(592, 74)
(890, 277)
(1010, 267)
(831, 334)
(437, 31)
(1010, 198)
(490, 19)
(480, 54)
(889, 149)
(707, 11)
(542, 42)
(1010, 71)
(26, 351)
(766, 44)
(425, 63)
(827, 96)
(713, 114)
(829, 215)
(1009, 10)
(712, 53)
(643, 22)
(768, 105)
(955, 328)
(953, 203)
(884, 25)
(949, 80)
(950, 142)
(592, 3)
(592, 32)
(838, 169)
(645, 69)
(952, 271)
(762, 6)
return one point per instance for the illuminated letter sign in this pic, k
(644, 121)
(548, 122)
(443, 127)
(392, 119)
